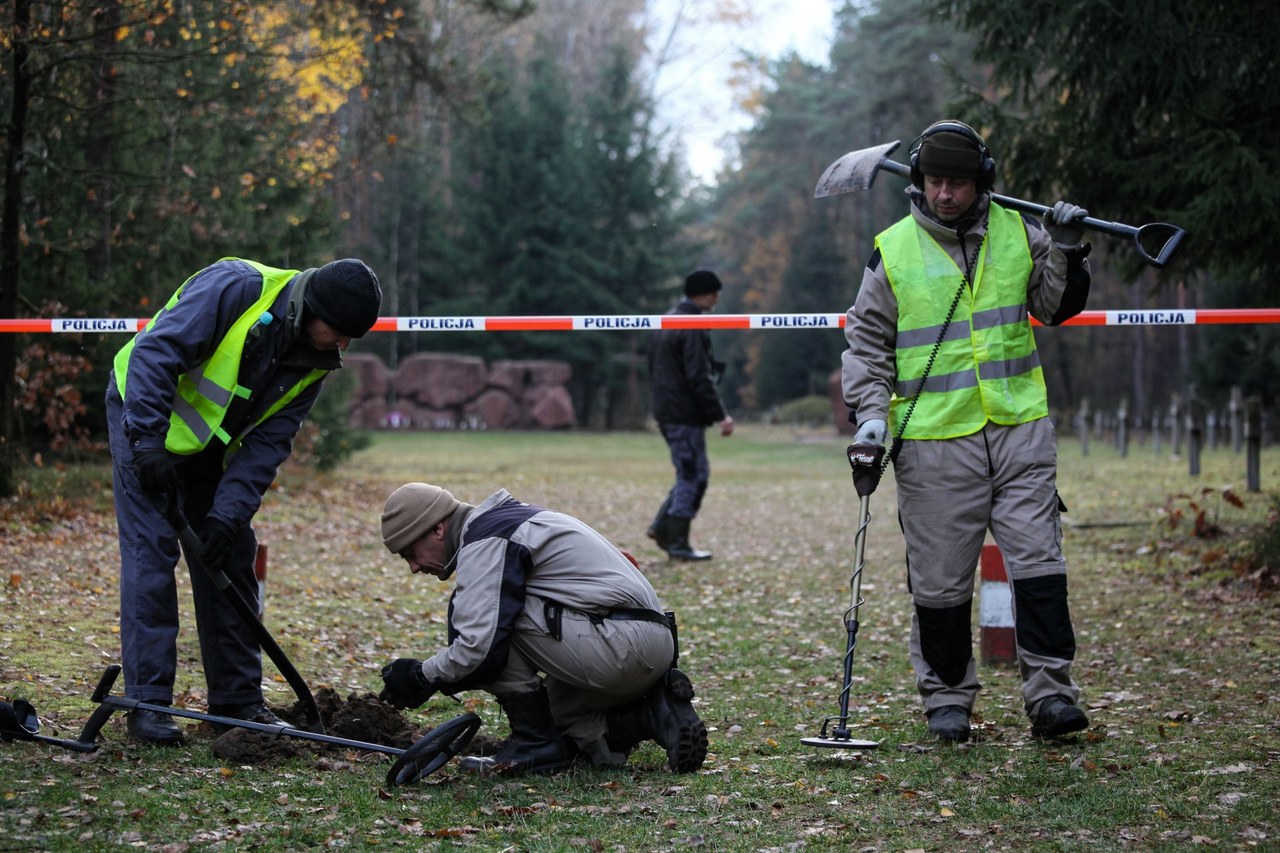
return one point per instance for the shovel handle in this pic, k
(1145, 237)
(1171, 236)
(194, 550)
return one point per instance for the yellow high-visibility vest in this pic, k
(205, 392)
(987, 368)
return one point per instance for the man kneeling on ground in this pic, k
(552, 619)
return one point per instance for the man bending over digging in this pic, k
(552, 619)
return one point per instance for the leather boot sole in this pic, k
(690, 556)
(676, 725)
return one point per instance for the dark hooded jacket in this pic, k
(683, 375)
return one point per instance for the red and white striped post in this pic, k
(996, 609)
(260, 572)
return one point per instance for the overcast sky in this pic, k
(694, 93)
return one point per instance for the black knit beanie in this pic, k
(702, 282)
(345, 295)
(950, 155)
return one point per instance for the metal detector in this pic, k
(19, 721)
(865, 459)
(431, 752)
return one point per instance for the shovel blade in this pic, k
(857, 170)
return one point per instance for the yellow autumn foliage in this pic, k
(321, 68)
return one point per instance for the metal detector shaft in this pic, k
(108, 704)
(431, 751)
(841, 737)
(851, 616)
(857, 170)
(194, 550)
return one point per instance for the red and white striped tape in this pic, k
(634, 322)
(996, 609)
(531, 323)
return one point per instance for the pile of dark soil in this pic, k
(360, 717)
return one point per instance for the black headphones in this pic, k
(986, 166)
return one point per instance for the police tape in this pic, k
(653, 322)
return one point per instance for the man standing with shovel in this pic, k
(942, 357)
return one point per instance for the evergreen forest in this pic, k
(509, 157)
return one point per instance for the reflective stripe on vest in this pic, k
(206, 391)
(987, 367)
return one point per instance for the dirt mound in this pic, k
(360, 717)
(242, 746)
(363, 717)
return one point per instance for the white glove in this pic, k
(1061, 223)
(871, 432)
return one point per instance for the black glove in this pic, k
(156, 473)
(406, 685)
(217, 545)
(865, 458)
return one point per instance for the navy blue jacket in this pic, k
(185, 336)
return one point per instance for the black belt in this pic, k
(552, 611)
(634, 614)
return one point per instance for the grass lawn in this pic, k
(1179, 662)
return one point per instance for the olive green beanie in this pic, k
(411, 512)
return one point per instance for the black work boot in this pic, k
(628, 725)
(658, 529)
(253, 712)
(950, 722)
(678, 547)
(154, 727)
(672, 722)
(1057, 716)
(535, 746)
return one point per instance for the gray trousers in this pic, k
(950, 493)
(593, 667)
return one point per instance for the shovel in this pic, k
(431, 752)
(194, 551)
(857, 170)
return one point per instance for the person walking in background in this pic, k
(552, 619)
(683, 377)
(202, 408)
(942, 357)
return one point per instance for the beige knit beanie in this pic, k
(411, 512)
